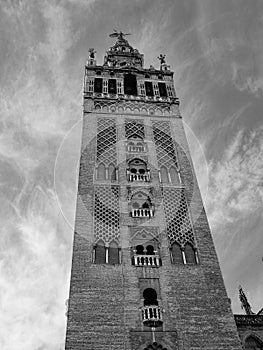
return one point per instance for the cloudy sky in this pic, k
(215, 48)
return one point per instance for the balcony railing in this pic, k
(147, 260)
(139, 177)
(152, 315)
(135, 149)
(142, 213)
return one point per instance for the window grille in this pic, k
(106, 216)
(134, 128)
(105, 86)
(164, 144)
(106, 141)
(179, 228)
(142, 89)
(90, 86)
(170, 91)
(156, 89)
(119, 87)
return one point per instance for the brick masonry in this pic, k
(105, 300)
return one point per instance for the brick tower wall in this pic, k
(105, 300)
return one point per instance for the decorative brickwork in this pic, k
(107, 216)
(106, 141)
(179, 228)
(165, 148)
(134, 128)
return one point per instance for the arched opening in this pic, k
(177, 256)
(100, 253)
(101, 172)
(174, 175)
(139, 249)
(137, 171)
(150, 250)
(113, 253)
(141, 205)
(130, 84)
(112, 172)
(189, 254)
(164, 175)
(252, 343)
(150, 297)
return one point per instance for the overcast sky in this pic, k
(215, 48)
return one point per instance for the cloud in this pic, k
(33, 271)
(236, 182)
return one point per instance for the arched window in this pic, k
(177, 255)
(252, 343)
(164, 175)
(150, 250)
(139, 249)
(174, 175)
(150, 297)
(101, 172)
(100, 253)
(189, 254)
(113, 253)
(112, 172)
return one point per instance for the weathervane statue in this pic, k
(118, 34)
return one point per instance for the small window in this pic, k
(174, 175)
(101, 172)
(98, 85)
(147, 76)
(150, 297)
(98, 72)
(149, 88)
(177, 256)
(162, 89)
(189, 254)
(112, 172)
(164, 175)
(100, 253)
(113, 253)
(112, 87)
(130, 84)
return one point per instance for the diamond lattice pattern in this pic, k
(179, 228)
(134, 128)
(107, 216)
(164, 144)
(106, 141)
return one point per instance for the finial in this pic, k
(244, 302)
(120, 35)
(92, 53)
(162, 58)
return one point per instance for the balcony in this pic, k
(147, 260)
(152, 315)
(142, 213)
(138, 177)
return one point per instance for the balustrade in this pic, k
(151, 314)
(139, 177)
(142, 213)
(147, 260)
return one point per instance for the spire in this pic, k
(244, 302)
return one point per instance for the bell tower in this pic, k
(145, 274)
